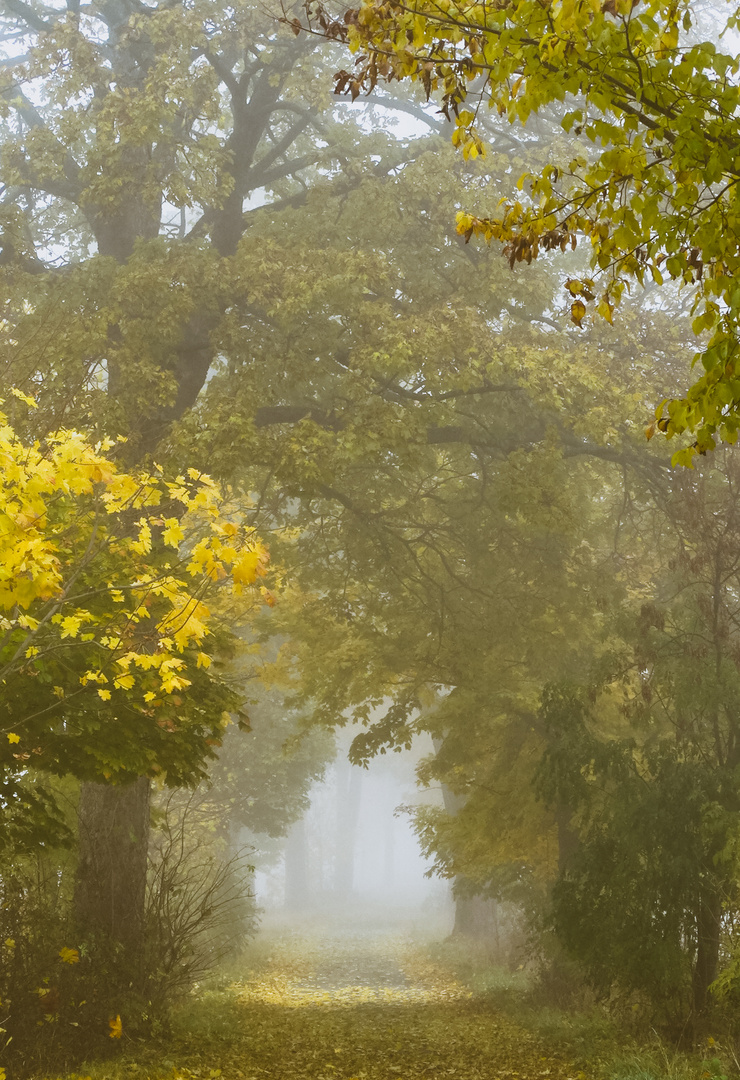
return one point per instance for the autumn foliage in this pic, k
(110, 587)
(651, 105)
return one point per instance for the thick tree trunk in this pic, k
(470, 919)
(567, 837)
(476, 917)
(110, 887)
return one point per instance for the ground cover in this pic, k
(363, 1006)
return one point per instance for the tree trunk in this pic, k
(567, 837)
(349, 784)
(470, 919)
(110, 886)
(296, 868)
(389, 857)
(476, 917)
(707, 949)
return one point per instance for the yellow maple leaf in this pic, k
(123, 682)
(69, 956)
(69, 624)
(116, 1027)
(24, 397)
(172, 533)
(143, 545)
(245, 570)
(13, 738)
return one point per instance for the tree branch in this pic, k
(288, 168)
(283, 144)
(30, 116)
(20, 10)
(451, 434)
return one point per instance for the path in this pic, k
(351, 1006)
(349, 967)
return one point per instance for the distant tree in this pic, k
(645, 757)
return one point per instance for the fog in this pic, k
(354, 856)
(330, 414)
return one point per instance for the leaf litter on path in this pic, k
(350, 971)
(352, 1007)
(363, 1007)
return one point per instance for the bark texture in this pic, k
(110, 888)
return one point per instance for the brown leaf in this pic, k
(577, 311)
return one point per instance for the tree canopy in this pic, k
(652, 183)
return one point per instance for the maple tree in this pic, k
(107, 588)
(651, 183)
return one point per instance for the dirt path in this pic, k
(348, 967)
(347, 1005)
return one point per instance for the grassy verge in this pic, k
(598, 1043)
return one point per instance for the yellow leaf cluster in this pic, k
(75, 571)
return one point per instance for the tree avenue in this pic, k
(207, 253)
(654, 190)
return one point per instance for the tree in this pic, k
(654, 187)
(110, 586)
(106, 579)
(645, 756)
(123, 204)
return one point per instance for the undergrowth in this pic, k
(560, 1011)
